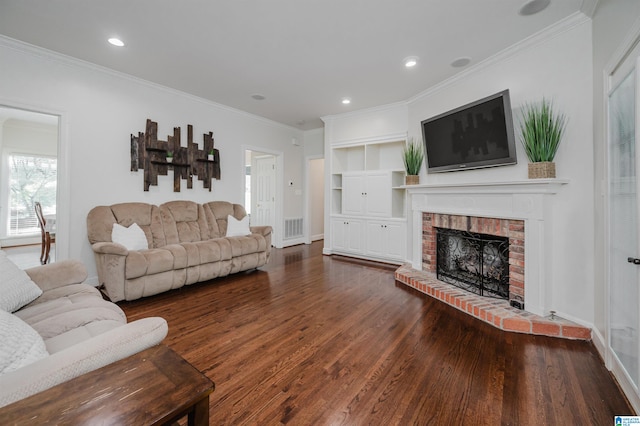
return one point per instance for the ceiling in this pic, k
(303, 56)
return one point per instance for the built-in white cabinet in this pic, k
(348, 235)
(386, 239)
(370, 193)
(368, 200)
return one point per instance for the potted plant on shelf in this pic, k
(210, 155)
(541, 131)
(169, 156)
(413, 157)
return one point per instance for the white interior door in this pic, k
(265, 197)
(624, 250)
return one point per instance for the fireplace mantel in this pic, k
(529, 200)
(530, 186)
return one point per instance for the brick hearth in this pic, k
(493, 311)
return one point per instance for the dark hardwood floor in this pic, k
(311, 340)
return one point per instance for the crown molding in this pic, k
(50, 55)
(572, 21)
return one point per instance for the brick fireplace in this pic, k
(520, 211)
(513, 229)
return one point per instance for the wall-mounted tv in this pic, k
(479, 134)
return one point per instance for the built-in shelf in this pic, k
(368, 199)
(173, 163)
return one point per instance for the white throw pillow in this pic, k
(237, 228)
(21, 344)
(16, 288)
(132, 238)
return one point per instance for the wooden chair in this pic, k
(46, 235)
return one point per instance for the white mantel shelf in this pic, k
(531, 186)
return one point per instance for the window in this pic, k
(31, 178)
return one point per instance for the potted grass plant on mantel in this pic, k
(413, 156)
(541, 132)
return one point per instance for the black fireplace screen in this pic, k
(475, 262)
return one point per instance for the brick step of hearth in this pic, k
(496, 312)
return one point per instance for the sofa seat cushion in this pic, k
(79, 334)
(73, 310)
(249, 244)
(148, 262)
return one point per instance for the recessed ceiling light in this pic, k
(116, 42)
(346, 101)
(258, 97)
(461, 62)
(534, 6)
(410, 61)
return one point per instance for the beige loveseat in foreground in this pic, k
(60, 328)
(186, 243)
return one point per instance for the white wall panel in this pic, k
(102, 108)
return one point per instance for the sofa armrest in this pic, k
(79, 359)
(110, 264)
(58, 274)
(109, 248)
(262, 230)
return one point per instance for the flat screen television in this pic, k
(479, 134)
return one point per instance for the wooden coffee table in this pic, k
(153, 387)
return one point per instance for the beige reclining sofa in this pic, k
(186, 243)
(53, 328)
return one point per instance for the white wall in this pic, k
(100, 109)
(316, 198)
(27, 137)
(372, 123)
(557, 65)
(314, 143)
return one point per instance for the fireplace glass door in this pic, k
(624, 253)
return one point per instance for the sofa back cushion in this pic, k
(100, 222)
(21, 344)
(184, 222)
(217, 213)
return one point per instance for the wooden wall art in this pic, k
(152, 155)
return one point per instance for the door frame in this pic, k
(618, 58)
(63, 192)
(276, 240)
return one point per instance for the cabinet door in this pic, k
(347, 235)
(378, 194)
(386, 240)
(355, 236)
(338, 234)
(375, 238)
(353, 193)
(395, 240)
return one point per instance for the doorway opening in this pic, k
(261, 194)
(29, 153)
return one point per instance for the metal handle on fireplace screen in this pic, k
(633, 260)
